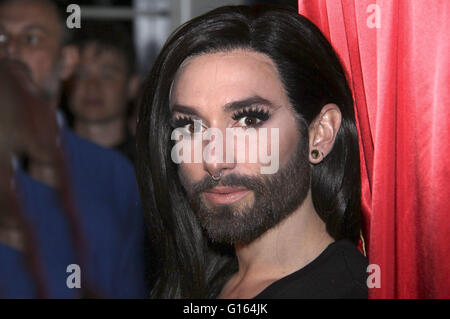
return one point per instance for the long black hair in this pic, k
(185, 265)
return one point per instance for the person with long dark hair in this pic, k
(236, 229)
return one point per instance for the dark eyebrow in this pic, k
(254, 100)
(229, 107)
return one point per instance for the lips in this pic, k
(225, 195)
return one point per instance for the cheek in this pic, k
(192, 172)
(78, 90)
(247, 150)
(276, 144)
(288, 141)
(41, 63)
(114, 91)
(288, 135)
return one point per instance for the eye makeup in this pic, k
(181, 121)
(253, 116)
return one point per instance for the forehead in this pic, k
(20, 14)
(215, 79)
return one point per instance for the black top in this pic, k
(338, 272)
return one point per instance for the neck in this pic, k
(107, 134)
(282, 250)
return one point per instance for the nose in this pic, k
(217, 157)
(91, 84)
(217, 168)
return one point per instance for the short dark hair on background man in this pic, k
(186, 265)
(108, 35)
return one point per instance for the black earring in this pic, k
(315, 154)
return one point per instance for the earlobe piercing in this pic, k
(315, 154)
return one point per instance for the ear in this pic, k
(323, 131)
(134, 83)
(71, 57)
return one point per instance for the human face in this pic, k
(30, 33)
(244, 203)
(233, 90)
(101, 85)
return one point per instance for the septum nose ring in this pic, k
(216, 177)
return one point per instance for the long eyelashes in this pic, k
(250, 117)
(181, 121)
(255, 112)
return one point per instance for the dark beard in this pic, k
(276, 196)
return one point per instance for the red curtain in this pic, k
(396, 53)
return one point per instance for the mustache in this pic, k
(254, 183)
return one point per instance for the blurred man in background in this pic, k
(80, 200)
(104, 85)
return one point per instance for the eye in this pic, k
(250, 121)
(32, 39)
(191, 128)
(189, 124)
(251, 117)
